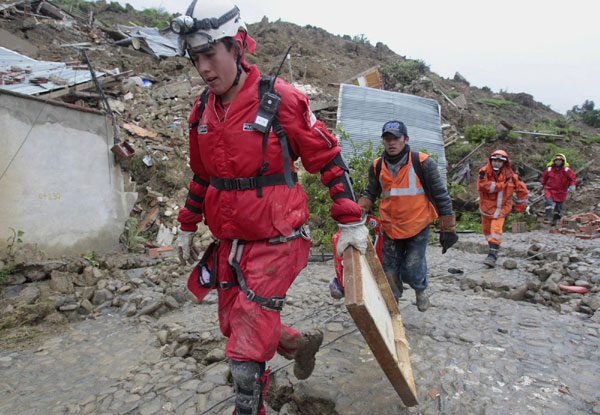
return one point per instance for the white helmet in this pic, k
(204, 24)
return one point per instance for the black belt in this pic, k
(247, 183)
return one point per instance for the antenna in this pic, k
(280, 65)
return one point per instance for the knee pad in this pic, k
(250, 382)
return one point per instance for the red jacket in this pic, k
(496, 190)
(557, 181)
(229, 149)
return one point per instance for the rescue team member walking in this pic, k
(559, 181)
(245, 133)
(496, 184)
(413, 196)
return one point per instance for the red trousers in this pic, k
(256, 333)
(492, 229)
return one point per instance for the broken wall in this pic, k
(59, 182)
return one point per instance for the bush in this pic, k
(457, 152)
(319, 202)
(398, 74)
(479, 133)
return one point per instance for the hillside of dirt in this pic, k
(119, 333)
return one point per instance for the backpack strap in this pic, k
(378, 167)
(418, 167)
(203, 100)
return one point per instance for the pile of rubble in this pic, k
(58, 291)
(582, 226)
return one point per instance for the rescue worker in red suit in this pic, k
(245, 190)
(559, 182)
(497, 183)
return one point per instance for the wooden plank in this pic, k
(372, 306)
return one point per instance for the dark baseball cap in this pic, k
(394, 127)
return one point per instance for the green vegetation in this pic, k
(499, 102)
(319, 202)
(397, 74)
(479, 133)
(574, 157)
(12, 246)
(589, 140)
(560, 127)
(90, 260)
(5, 273)
(457, 152)
(116, 7)
(587, 113)
(453, 94)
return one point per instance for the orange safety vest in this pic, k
(405, 209)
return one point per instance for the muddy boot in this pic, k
(548, 217)
(308, 346)
(555, 219)
(422, 300)
(490, 261)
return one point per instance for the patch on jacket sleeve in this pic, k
(481, 175)
(310, 117)
(202, 129)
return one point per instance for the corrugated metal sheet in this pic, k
(158, 44)
(10, 59)
(363, 111)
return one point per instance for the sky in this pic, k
(549, 49)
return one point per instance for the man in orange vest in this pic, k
(413, 196)
(496, 184)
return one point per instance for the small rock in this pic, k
(162, 337)
(68, 307)
(215, 355)
(518, 294)
(87, 305)
(509, 264)
(29, 294)
(182, 350)
(62, 282)
(170, 302)
(150, 308)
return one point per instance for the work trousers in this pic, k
(492, 229)
(256, 333)
(550, 205)
(403, 261)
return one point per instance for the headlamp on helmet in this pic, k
(204, 24)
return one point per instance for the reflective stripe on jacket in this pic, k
(404, 210)
(496, 190)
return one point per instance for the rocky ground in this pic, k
(495, 341)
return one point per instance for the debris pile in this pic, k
(58, 291)
(582, 226)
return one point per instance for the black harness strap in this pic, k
(271, 303)
(203, 100)
(247, 183)
(288, 178)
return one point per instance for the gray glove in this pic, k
(185, 247)
(355, 234)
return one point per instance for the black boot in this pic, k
(490, 261)
(548, 217)
(555, 219)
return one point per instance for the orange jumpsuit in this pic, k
(496, 197)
